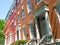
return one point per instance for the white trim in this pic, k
(10, 37)
(37, 31)
(57, 15)
(28, 7)
(18, 12)
(23, 36)
(31, 37)
(49, 29)
(5, 41)
(57, 40)
(19, 35)
(39, 2)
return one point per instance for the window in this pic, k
(58, 9)
(18, 1)
(24, 29)
(22, 12)
(38, 1)
(28, 6)
(18, 17)
(31, 27)
(14, 22)
(31, 30)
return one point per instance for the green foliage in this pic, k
(18, 42)
(1, 33)
(1, 24)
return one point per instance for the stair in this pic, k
(46, 40)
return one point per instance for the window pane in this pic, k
(22, 13)
(28, 6)
(18, 18)
(32, 30)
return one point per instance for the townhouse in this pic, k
(33, 20)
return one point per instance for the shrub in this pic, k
(18, 42)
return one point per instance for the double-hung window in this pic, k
(28, 6)
(18, 18)
(22, 12)
(31, 30)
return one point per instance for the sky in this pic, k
(4, 8)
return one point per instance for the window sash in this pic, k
(18, 18)
(32, 30)
(28, 6)
(22, 13)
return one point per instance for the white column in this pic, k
(48, 26)
(19, 35)
(5, 41)
(31, 37)
(37, 30)
(23, 36)
(49, 29)
(10, 37)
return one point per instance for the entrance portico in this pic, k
(42, 22)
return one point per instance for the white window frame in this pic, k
(57, 15)
(22, 12)
(18, 17)
(24, 35)
(28, 7)
(31, 36)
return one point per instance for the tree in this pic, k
(1, 33)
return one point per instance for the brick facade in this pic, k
(29, 20)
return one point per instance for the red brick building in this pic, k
(33, 19)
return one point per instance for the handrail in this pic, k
(28, 42)
(43, 38)
(32, 40)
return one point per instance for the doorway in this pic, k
(42, 25)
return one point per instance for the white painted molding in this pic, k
(57, 40)
(39, 2)
(19, 35)
(58, 15)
